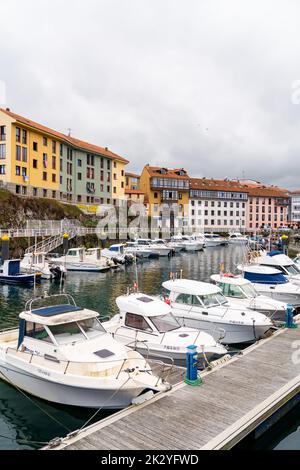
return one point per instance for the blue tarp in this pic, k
(13, 267)
(275, 252)
(261, 278)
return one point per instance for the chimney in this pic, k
(106, 148)
(7, 109)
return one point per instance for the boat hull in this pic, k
(65, 394)
(233, 333)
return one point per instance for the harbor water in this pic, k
(27, 422)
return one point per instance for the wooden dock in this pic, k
(234, 399)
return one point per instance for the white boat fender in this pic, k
(142, 398)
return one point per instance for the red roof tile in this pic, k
(70, 140)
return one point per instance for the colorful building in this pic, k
(38, 161)
(268, 205)
(166, 188)
(217, 205)
(132, 181)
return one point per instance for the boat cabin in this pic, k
(195, 293)
(11, 267)
(279, 261)
(234, 287)
(94, 252)
(117, 248)
(144, 313)
(44, 329)
(77, 253)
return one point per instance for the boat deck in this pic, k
(235, 398)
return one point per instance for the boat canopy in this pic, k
(11, 267)
(142, 304)
(186, 286)
(57, 315)
(277, 259)
(263, 275)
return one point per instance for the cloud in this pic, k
(202, 84)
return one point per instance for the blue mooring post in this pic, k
(192, 377)
(289, 319)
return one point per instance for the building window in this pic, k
(60, 150)
(115, 176)
(60, 180)
(18, 134)
(44, 176)
(115, 164)
(2, 151)
(122, 184)
(79, 162)
(2, 170)
(54, 194)
(44, 192)
(24, 154)
(18, 189)
(79, 176)
(53, 178)
(122, 172)
(3, 133)
(45, 141)
(24, 172)
(53, 146)
(45, 162)
(53, 163)
(108, 164)
(24, 190)
(18, 152)
(115, 190)
(35, 191)
(35, 146)
(155, 195)
(18, 170)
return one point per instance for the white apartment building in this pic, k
(294, 216)
(217, 205)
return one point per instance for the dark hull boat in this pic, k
(11, 274)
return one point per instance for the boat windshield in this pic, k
(165, 323)
(292, 269)
(213, 300)
(249, 290)
(77, 331)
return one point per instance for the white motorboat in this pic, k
(203, 306)
(37, 263)
(77, 260)
(271, 282)
(212, 240)
(62, 354)
(190, 243)
(139, 251)
(146, 323)
(158, 249)
(241, 292)
(115, 253)
(173, 247)
(281, 262)
(238, 238)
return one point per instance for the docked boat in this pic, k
(238, 238)
(203, 306)
(62, 354)
(139, 251)
(115, 253)
(272, 283)
(11, 274)
(281, 262)
(190, 243)
(158, 249)
(147, 324)
(212, 240)
(241, 292)
(37, 263)
(77, 260)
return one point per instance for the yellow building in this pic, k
(29, 158)
(165, 186)
(38, 161)
(132, 181)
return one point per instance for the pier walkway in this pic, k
(235, 398)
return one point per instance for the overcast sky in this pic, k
(203, 84)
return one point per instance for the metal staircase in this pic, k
(50, 243)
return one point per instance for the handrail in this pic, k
(44, 297)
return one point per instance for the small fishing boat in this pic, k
(77, 260)
(147, 324)
(61, 353)
(203, 306)
(117, 254)
(212, 240)
(37, 263)
(241, 292)
(11, 274)
(157, 249)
